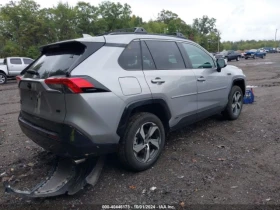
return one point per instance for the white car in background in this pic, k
(12, 66)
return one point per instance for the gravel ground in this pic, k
(211, 162)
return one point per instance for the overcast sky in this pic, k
(236, 19)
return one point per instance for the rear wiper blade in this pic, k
(32, 72)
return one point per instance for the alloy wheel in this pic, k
(236, 103)
(2, 79)
(147, 142)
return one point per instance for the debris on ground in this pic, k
(153, 188)
(132, 187)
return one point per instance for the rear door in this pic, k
(212, 86)
(170, 79)
(26, 62)
(15, 66)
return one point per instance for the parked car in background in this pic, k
(253, 53)
(263, 51)
(278, 49)
(270, 49)
(232, 55)
(12, 66)
(1, 61)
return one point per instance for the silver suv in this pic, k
(123, 92)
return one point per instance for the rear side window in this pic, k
(166, 55)
(15, 61)
(27, 61)
(130, 58)
(55, 61)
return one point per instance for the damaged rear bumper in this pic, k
(66, 177)
(69, 142)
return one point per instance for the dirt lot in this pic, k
(211, 162)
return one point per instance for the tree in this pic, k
(87, 16)
(205, 25)
(115, 15)
(166, 16)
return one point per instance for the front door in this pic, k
(212, 86)
(169, 79)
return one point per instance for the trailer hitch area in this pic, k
(67, 177)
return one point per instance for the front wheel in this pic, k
(235, 104)
(143, 142)
(3, 78)
(237, 59)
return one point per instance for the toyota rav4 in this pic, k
(123, 92)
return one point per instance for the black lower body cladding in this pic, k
(64, 141)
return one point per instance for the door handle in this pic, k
(201, 79)
(157, 81)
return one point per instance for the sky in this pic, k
(236, 19)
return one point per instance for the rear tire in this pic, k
(138, 149)
(3, 78)
(235, 104)
(237, 59)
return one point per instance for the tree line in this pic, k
(25, 26)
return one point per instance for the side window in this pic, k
(130, 58)
(15, 61)
(199, 59)
(27, 61)
(148, 63)
(166, 55)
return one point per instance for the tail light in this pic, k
(18, 78)
(74, 84)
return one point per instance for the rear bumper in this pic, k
(69, 143)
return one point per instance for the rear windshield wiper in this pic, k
(32, 72)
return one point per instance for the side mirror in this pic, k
(221, 63)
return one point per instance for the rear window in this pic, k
(15, 61)
(55, 61)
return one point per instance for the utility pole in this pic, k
(275, 34)
(218, 41)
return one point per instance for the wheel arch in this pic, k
(155, 106)
(241, 83)
(2, 71)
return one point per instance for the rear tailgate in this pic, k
(42, 101)
(42, 106)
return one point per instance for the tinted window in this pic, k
(166, 55)
(148, 63)
(130, 58)
(199, 58)
(27, 61)
(15, 61)
(55, 61)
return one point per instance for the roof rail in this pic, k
(138, 30)
(141, 30)
(179, 35)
